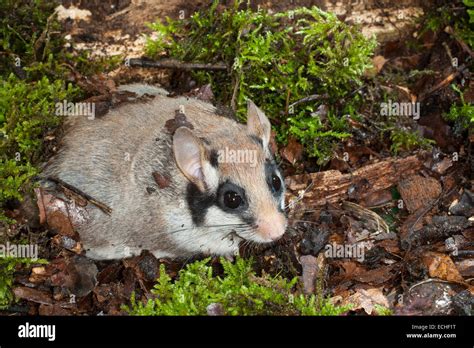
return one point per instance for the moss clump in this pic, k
(276, 60)
(461, 114)
(34, 70)
(381, 310)
(238, 292)
(404, 140)
(26, 114)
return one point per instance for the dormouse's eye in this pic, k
(276, 183)
(232, 200)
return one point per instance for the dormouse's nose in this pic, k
(271, 227)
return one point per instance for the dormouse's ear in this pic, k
(257, 123)
(192, 159)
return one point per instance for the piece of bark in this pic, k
(440, 228)
(418, 192)
(76, 275)
(33, 295)
(466, 268)
(464, 206)
(54, 309)
(332, 186)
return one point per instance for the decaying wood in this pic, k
(174, 64)
(317, 189)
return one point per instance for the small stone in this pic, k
(215, 309)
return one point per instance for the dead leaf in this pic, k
(60, 215)
(367, 300)
(442, 166)
(292, 152)
(429, 298)
(375, 276)
(145, 266)
(441, 266)
(390, 245)
(377, 198)
(379, 62)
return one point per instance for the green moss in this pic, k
(34, 70)
(275, 60)
(461, 114)
(239, 291)
(381, 310)
(26, 115)
(404, 140)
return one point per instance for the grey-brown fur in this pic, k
(113, 159)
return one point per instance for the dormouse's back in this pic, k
(217, 173)
(132, 138)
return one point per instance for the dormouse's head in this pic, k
(234, 182)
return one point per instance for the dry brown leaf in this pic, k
(366, 300)
(375, 276)
(379, 62)
(377, 198)
(292, 152)
(442, 266)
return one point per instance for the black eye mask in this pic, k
(231, 198)
(274, 181)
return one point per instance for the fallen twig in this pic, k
(106, 209)
(308, 99)
(173, 64)
(444, 83)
